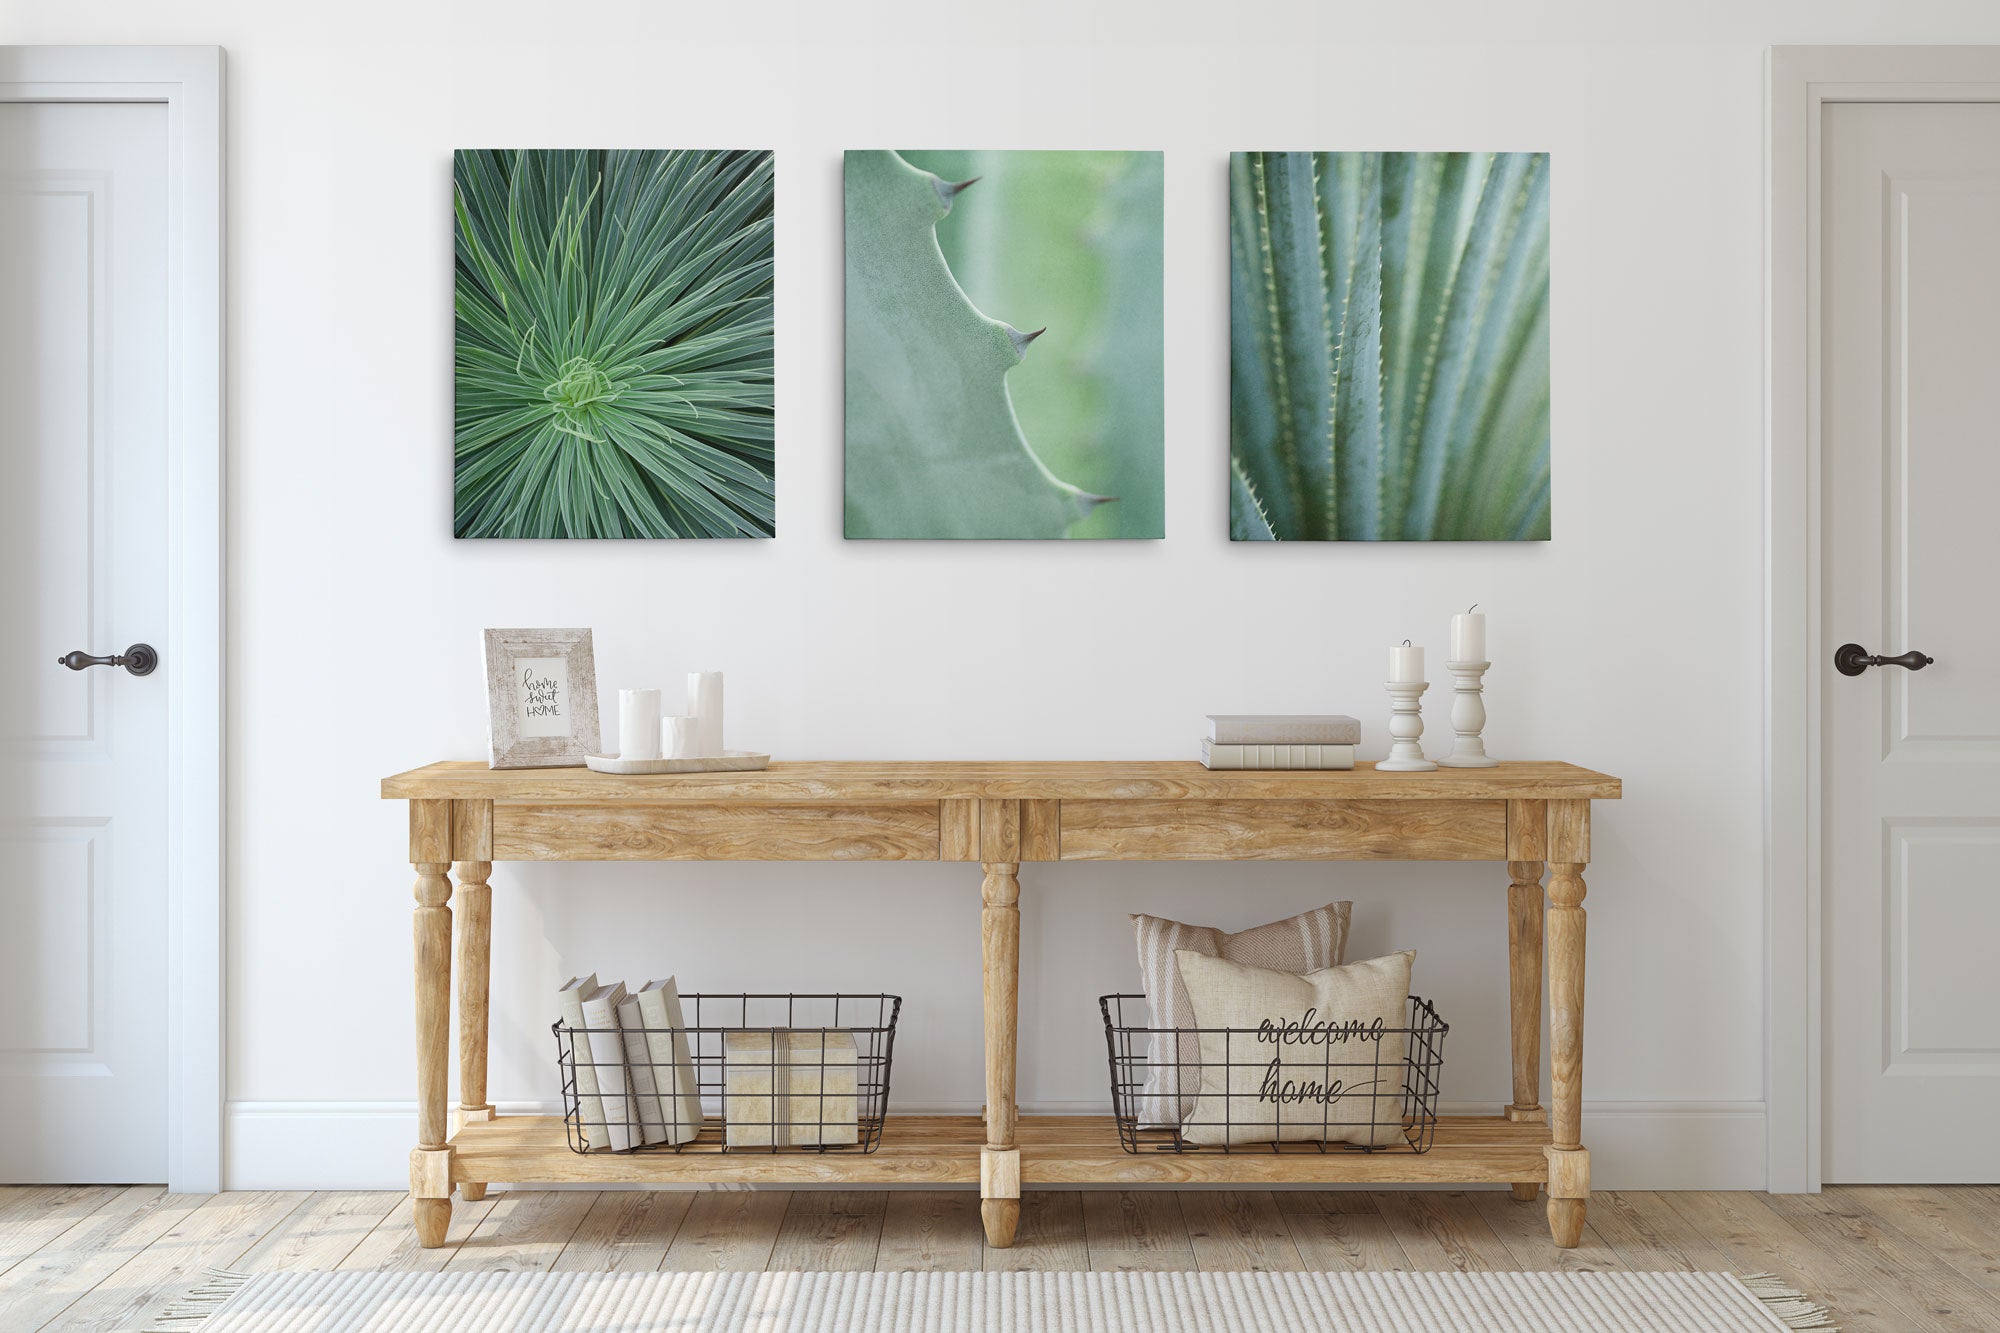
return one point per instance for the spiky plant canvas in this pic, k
(1005, 344)
(613, 369)
(1389, 347)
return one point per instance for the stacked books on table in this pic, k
(1278, 741)
(635, 1079)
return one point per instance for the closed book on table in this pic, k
(1277, 758)
(673, 1069)
(1283, 729)
(569, 1008)
(790, 1088)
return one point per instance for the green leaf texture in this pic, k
(1389, 346)
(613, 364)
(934, 448)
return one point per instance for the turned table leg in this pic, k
(430, 1160)
(1569, 1160)
(475, 956)
(1524, 985)
(1000, 948)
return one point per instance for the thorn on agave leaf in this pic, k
(1021, 340)
(1086, 502)
(948, 190)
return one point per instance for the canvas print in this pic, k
(1389, 347)
(1005, 338)
(614, 353)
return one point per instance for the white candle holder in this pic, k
(1468, 717)
(1406, 724)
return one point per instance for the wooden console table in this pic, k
(1530, 815)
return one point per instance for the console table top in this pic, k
(928, 780)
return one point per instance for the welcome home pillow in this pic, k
(1302, 943)
(1314, 1057)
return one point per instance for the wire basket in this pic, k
(748, 1073)
(1402, 1122)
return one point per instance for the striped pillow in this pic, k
(1299, 944)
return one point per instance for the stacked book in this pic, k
(1280, 741)
(635, 1079)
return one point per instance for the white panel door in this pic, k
(83, 798)
(1911, 542)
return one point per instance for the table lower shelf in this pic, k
(1055, 1150)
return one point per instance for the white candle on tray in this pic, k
(677, 737)
(705, 703)
(638, 724)
(1406, 664)
(1468, 636)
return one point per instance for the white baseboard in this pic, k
(366, 1145)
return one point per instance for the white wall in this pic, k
(1629, 644)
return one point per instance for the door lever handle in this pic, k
(139, 659)
(1851, 659)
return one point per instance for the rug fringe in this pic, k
(197, 1303)
(1787, 1302)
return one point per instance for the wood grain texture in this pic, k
(1524, 987)
(393, 1246)
(531, 1149)
(1442, 1231)
(1524, 1230)
(473, 933)
(1527, 830)
(71, 1261)
(907, 832)
(874, 783)
(1238, 1231)
(958, 830)
(1048, 1237)
(1134, 1220)
(1000, 968)
(931, 1231)
(728, 1232)
(1569, 831)
(1000, 831)
(1041, 830)
(318, 1234)
(829, 1231)
(1351, 1241)
(432, 934)
(1189, 830)
(33, 1215)
(472, 830)
(625, 1231)
(525, 1232)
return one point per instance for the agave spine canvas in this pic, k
(1389, 346)
(1005, 344)
(613, 363)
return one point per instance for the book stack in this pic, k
(635, 1079)
(1279, 741)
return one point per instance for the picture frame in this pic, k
(541, 698)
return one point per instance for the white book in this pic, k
(673, 1069)
(1283, 729)
(1277, 757)
(607, 1055)
(569, 1008)
(639, 1063)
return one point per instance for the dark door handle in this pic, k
(1851, 659)
(139, 659)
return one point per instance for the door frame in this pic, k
(1801, 81)
(188, 80)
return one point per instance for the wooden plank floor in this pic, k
(1886, 1257)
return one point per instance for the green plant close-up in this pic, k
(962, 425)
(613, 364)
(1389, 347)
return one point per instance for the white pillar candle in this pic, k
(1468, 636)
(638, 724)
(677, 737)
(1406, 664)
(705, 704)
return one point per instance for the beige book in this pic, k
(790, 1088)
(639, 1064)
(672, 1068)
(607, 1058)
(569, 1008)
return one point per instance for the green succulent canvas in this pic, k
(613, 365)
(1389, 347)
(1005, 344)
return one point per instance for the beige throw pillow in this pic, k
(1314, 1057)
(1302, 943)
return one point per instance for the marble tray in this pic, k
(729, 761)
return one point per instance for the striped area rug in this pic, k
(994, 1303)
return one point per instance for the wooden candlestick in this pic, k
(1468, 717)
(1406, 724)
